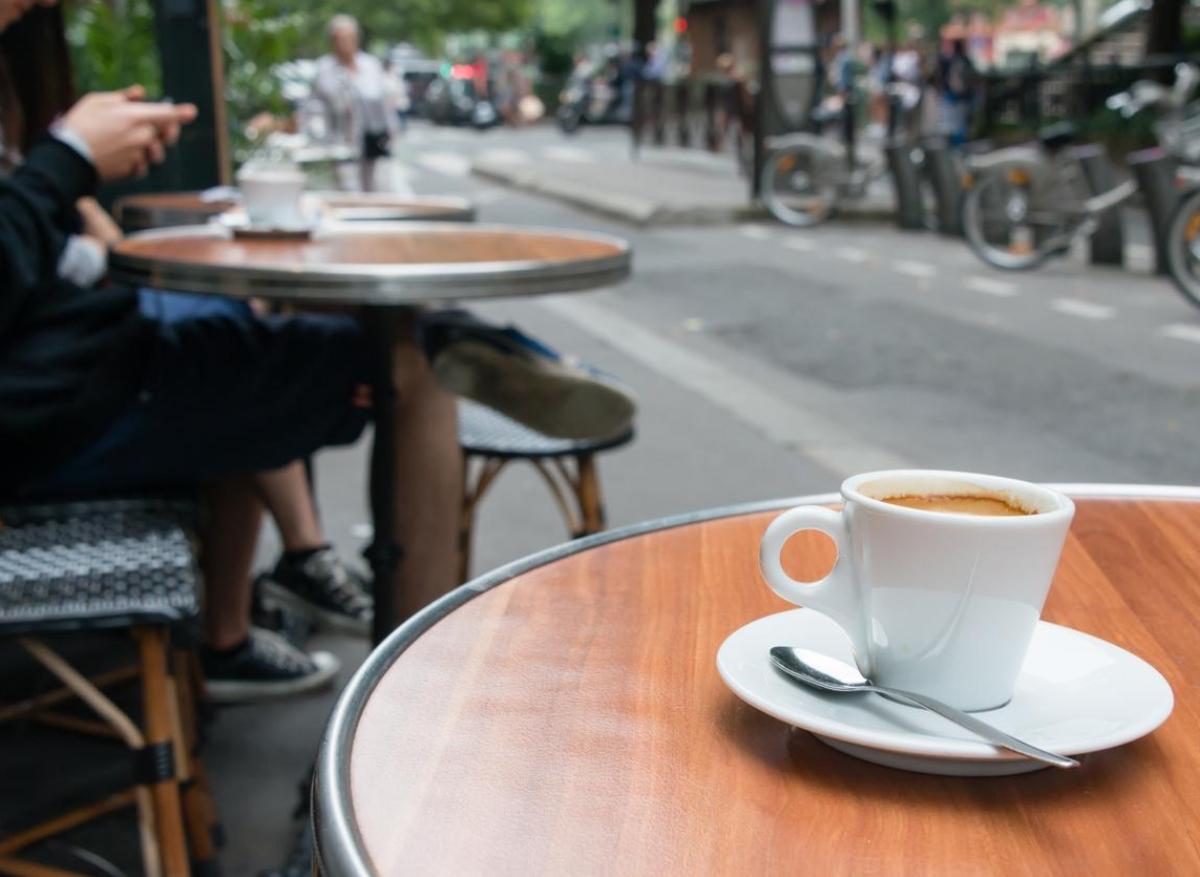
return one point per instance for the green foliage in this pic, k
(112, 49)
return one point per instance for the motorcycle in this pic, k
(590, 100)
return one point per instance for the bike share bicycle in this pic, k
(1027, 203)
(807, 175)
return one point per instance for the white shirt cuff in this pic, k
(83, 261)
(63, 134)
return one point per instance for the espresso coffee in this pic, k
(960, 504)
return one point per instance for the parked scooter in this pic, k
(592, 99)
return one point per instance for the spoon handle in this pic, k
(983, 729)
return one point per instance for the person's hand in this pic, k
(125, 135)
(97, 224)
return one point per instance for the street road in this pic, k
(773, 362)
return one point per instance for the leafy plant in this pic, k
(113, 46)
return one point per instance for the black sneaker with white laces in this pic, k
(265, 667)
(319, 586)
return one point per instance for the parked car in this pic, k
(452, 99)
(418, 72)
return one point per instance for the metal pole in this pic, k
(766, 16)
(850, 25)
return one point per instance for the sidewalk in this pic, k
(659, 187)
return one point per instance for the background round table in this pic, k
(382, 269)
(564, 715)
(167, 209)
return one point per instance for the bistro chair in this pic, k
(114, 566)
(490, 441)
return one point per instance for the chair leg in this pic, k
(198, 809)
(473, 491)
(590, 496)
(157, 728)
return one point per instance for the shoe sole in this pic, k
(230, 691)
(276, 596)
(549, 398)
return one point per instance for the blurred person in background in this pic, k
(398, 92)
(957, 82)
(359, 107)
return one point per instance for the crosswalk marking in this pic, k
(800, 244)
(851, 254)
(920, 270)
(755, 232)
(449, 164)
(1087, 310)
(1181, 332)
(991, 286)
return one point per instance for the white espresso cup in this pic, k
(942, 603)
(271, 194)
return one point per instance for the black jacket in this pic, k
(70, 358)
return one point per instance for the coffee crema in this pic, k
(960, 504)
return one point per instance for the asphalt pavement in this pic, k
(773, 362)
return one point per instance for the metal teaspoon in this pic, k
(830, 674)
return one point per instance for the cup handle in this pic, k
(836, 595)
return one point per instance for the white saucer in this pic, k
(1076, 694)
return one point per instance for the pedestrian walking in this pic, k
(358, 105)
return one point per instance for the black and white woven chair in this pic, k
(114, 565)
(490, 441)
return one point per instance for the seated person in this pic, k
(96, 396)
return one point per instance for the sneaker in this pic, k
(319, 587)
(265, 667)
(522, 378)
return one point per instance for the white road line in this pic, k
(851, 254)
(449, 164)
(1181, 332)
(1087, 310)
(505, 155)
(991, 286)
(755, 232)
(779, 419)
(800, 245)
(488, 196)
(569, 154)
(920, 270)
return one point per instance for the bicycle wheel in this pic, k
(1183, 247)
(1007, 224)
(795, 187)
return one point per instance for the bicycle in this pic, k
(1183, 234)
(807, 175)
(1026, 204)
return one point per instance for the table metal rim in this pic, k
(338, 843)
(404, 281)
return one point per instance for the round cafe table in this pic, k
(166, 209)
(384, 270)
(564, 715)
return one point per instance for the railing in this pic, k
(1036, 96)
(713, 114)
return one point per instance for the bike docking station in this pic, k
(905, 164)
(1155, 171)
(1107, 242)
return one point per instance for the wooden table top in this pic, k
(566, 716)
(373, 263)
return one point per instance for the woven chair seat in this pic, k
(489, 433)
(96, 565)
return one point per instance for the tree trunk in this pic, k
(645, 25)
(1164, 34)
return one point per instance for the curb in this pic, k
(644, 211)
